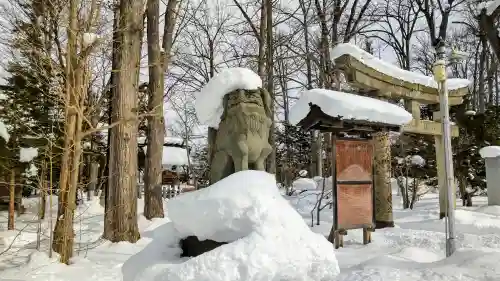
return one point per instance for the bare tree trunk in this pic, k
(271, 159)
(261, 63)
(487, 23)
(12, 200)
(114, 65)
(158, 62)
(122, 193)
(414, 194)
(43, 191)
(63, 231)
(93, 161)
(153, 201)
(482, 62)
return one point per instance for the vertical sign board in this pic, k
(353, 184)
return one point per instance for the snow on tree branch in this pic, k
(27, 154)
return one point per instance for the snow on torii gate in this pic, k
(384, 80)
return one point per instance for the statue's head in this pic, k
(255, 98)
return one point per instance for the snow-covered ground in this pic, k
(413, 250)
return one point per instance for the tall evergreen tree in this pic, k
(30, 104)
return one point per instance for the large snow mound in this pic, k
(271, 240)
(349, 106)
(392, 70)
(208, 103)
(490, 151)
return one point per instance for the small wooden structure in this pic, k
(174, 164)
(378, 78)
(352, 165)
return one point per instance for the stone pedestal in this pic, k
(493, 180)
(382, 180)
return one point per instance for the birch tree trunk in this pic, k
(122, 193)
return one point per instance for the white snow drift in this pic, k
(208, 103)
(271, 240)
(349, 106)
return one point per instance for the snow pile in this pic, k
(349, 106)
(27, 154)
(31, 171)
(271, 240)
(3, 132)
(304, 184)
(392, 70)
(328, 182)
(172, 155)
(208, 103)
(490, 151)
(417, 160)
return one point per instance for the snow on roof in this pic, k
(166, 140)
(349, 106)
(177, 156)
(208, 103)
(490, 151)
(268, 239)
(3, 132)
(27, 154)
(392, 70)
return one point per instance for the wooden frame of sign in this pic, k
(353, 189)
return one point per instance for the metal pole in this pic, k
(440, 76)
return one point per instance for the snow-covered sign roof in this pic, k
(171, 155)
(490, 151)
(347, 106)
(167, 140)
(392, 70)
(208, 103)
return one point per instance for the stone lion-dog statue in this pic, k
(241, 142)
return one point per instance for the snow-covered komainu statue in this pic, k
(241, 142)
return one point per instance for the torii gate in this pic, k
(378, 78)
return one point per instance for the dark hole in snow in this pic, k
(192, 247)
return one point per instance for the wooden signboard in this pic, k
(353, 184)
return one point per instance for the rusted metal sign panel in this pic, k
(354, 184)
